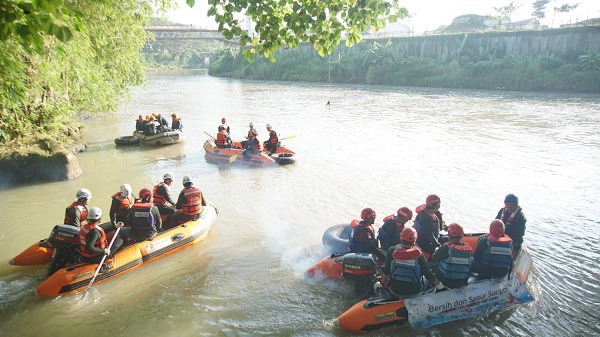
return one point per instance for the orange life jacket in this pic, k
(82, 216)
(126, 203)
(222, 138)
(100, 244)
(193, 201)
(273, 139)
(159, 199)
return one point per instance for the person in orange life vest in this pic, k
(451, 263)
(189, 204)
(405, 266)
(162, 195)
(251, 133)
(121, 202)
(272, 143)
(362, 238)
(428, 224)
(224, 124)
(139, 124)
(389, 233)
(514, 220)
(176, 122)
(144, 218)
(76, 213)
(253, 144)
(150, 127)
(93, 240)
(493, 253)
(223, 139)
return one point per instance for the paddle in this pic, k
(294, 136)
(102, 261)
(234, 157)
(210, 135)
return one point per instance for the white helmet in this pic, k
(125, 190)
(83, 193)
(251, 125)
(167, 176)
(94, 214)
(268, 126)
(187, 179)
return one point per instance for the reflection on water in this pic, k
(373, 147)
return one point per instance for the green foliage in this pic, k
(539, 8)
(285, 23)
(589, 61)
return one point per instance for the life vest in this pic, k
(82, 216)
(498, 256)
(385, 240)
(193, 201)
(159, 199)
(273, 139)
(176, 124)
(100, 244)
(221, 139)
(405, 265)
(419, 229)
(143, 220)
(458, 263)
(359, 238)
(123, 210)
(250, 133)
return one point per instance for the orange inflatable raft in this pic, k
(235, 154)
(77, 277)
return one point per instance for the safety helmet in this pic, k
(251, 124)
(511, 198)
(187, 179)
(268, 126)
(409, 234)
(497, 228)
(404, 213)
(145, 192)
(167, 176)
(125, 190)
(94, 214)
(455, 230)
(83, 193)
(432, 200)
(147, 117)
(140, 117)
(368, 214)
(174, 115)
(223, 120)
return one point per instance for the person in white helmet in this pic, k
(189, 204)
(92, 237)
(251, 134)
(272, 143)
(121, 203)
(76, 213)
(162, 195)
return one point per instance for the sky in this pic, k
(427, 15)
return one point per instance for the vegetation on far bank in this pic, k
(379, 62)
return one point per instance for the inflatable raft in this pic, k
(432, 308)
(236, 155)
(162, 138)
(75, 278)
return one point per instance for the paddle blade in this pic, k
(233, 158)
(290, 137)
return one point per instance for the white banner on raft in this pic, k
(473, 300)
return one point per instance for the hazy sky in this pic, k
(430, 14)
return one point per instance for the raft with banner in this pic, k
(162, 138)
(237, 155)
(430, 308)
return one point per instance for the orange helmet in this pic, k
(497, 228)
(432, 200)
(409, 234)
(455, 230)
(368, 214)
(145, 192)
(404, 213)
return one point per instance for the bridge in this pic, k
(187, 32)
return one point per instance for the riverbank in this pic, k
(42, 157)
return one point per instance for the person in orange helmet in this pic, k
(139, 123)
(493, 253)
(144, 218)
(389, 233)
(451, 263)
(428, 224)
(362, 238)
(176, 122)
(405, 266)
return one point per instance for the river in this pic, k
(379, 147)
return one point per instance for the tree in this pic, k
(504, 13)
(539, 8)
(564, 8)
(286, 23)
